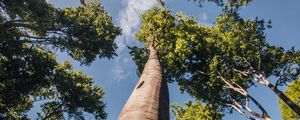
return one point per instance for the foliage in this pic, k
(140, 56)
(30, 32)
(84, 32)
(293, 92)
(195, 111)
(74, 93)
(229, 4)
(197, 56)
(161, 2)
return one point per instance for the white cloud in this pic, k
(129, 20)
(204, 16)
(204, 19)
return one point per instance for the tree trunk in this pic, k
(284, 98)
(245, 93)
(149, 99)
(264, 114)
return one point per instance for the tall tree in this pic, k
(293, 92)
(253, 60)
(31, 31)
(215, 63)
(284, 71)
(150, 97)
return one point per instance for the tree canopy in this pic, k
(217, 64)
(228, 4)
(84, 32)
(31, 32)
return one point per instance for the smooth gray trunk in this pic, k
(149, 99)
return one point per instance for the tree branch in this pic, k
(242, 72)
(244, 92)
(246, 107)
(55, 110)
(241, 112)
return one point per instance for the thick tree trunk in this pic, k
(150, 98)
(284, 98)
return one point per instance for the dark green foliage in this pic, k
(161, 2)
(23, 70)
(73, 92)
(84, 32)
(90, 33)
(30, 33)
(140, 56)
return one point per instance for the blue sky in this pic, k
(118, 76)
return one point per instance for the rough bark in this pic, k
(150, 98)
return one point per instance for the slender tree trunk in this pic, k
(284, 98)
(264, 114)
(150, 98)
(237, 88)
(241, 112)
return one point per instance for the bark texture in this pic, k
(149, 99)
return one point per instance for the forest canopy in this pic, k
(218, 64)
(31, 33)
